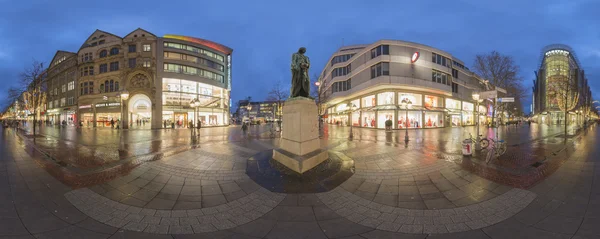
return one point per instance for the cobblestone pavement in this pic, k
(422, 190)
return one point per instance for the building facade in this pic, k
(61, 92)
(141, 81)
(559, 65)
(262, 111)
(376, 79)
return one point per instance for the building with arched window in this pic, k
(378, 78)
(161, 75)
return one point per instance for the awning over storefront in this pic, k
(453, 111)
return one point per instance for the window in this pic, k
(102, 53)
(146, 63)
(87, 70)
(440, 77)
(380, 69)
(440, 60)
(50, 105)
(342, 58)
(103, 68)
(132, 48)
(70, 101)
(454, 73)
(132, 62)
(87, 57)
(192, 71)
(64, 88)
(56, 104)
(194, 49)
(147, 47)
(63, 101)
(101, 42)
(454, 87)
(460, 65)
(114, 66)
(341, 71)
(202, 61)
(71, 85)
(110, 86)
(55, 91)
(380, 50)
(341, 86)
(114, 51)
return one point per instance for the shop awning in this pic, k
(454, 112)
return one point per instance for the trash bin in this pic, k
(467, 148)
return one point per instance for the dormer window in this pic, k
(114, 51)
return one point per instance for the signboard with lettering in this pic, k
(107, 104)
(488, 94)
(506, 99)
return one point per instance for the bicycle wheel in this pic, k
(484, 143)
(490, 155)
(501, 149)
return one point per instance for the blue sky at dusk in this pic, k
(264, 34)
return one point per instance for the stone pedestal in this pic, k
(300, 147)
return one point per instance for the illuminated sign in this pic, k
(560, 52)
(207, 43)
(107, 105)
(85, 106)
(415, 57)
(229, 72)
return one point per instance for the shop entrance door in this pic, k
(140, 112)
(181, 120)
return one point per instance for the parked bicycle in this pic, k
(497, 149)
(484, 143)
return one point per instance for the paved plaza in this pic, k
(87, 183)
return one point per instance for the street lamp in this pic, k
(407, 104)
(124, 95)
(477, 100)
(351, 107)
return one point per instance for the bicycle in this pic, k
(484, 143)
(498, 149)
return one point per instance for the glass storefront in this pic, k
(339, 119)
(386, 98)
(434, 119)
(177, 95)
(356, 118)
(368, 119)
(383, 116)
(87, 119)
(414, 119)
(452, 104)
(367, 102)
(455, 120)
(433, 101)
(468, 115)
(104, 119)
(414, 98)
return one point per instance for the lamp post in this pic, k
(196, 115)
(351, 107)
(407, 104)
(123, 95)
(477, 100)
(193, 106)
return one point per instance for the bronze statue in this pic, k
(300, 80)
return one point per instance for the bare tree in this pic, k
(31, 90)
(319, 92)
(501, 71)
(563, 90)
(278, 94)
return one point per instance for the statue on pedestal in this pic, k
(300, 79)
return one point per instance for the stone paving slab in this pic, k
(222, 217)
(418, 221)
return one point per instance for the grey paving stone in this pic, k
(389, 226)
(159, 203)
(38, 224)
(291, 213)
(134, 218)
(423, 221)
(151, 220)
(258, 228)
(457, 227)
(477, 224)
(135, 226)
(147, 212)
(93, 225)
(117, 222)
(157, 229)
(413, 229)
(213, 200)
(299, 229)
(71, 232)
(211, 190)
(431, 229)
(180, 229)
(169, 221)
(560, 224)
(341, 227)
(371, 222)
(10, 226)
(179, 213)
(223, 224)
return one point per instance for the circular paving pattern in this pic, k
(276, 177)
